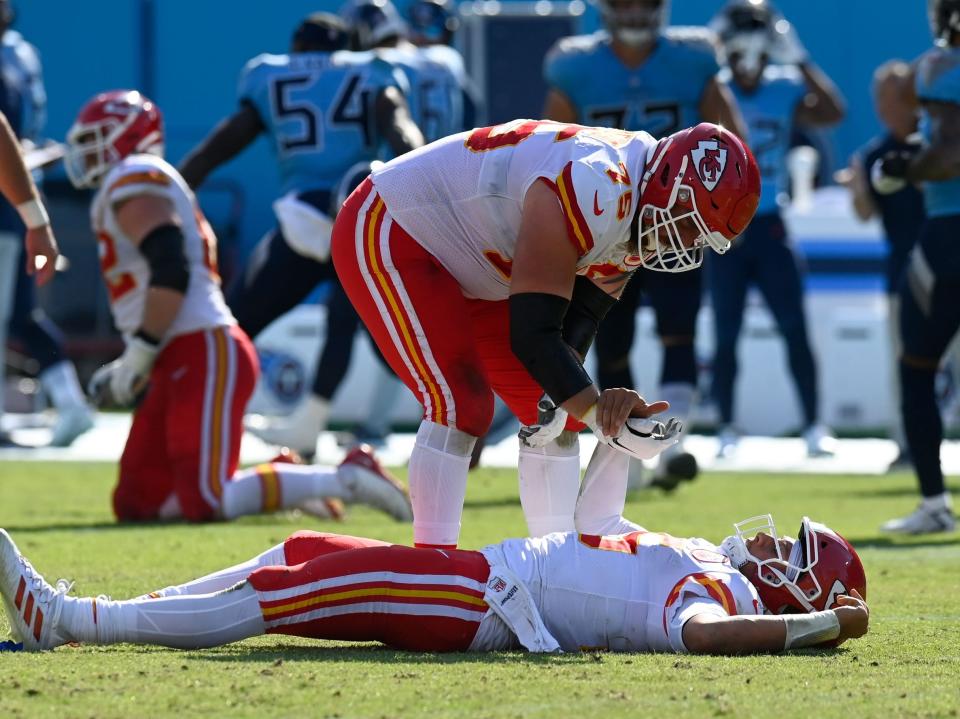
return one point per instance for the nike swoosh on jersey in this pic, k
(596, 206)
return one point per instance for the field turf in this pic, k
(908, 666)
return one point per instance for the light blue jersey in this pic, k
(437, 80)
(660, 96)
(769, 111)
(318, 109)
(938, 80)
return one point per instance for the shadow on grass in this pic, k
(385, 655)
(513, 501)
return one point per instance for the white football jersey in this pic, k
(461, 197)
(125, 270)
(630, 592)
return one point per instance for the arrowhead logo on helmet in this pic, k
(710, 159)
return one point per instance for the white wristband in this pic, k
(807, 630)
(33, 214)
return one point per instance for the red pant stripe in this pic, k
(398, 316)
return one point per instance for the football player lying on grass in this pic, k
(632, 591)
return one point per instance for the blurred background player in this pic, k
(336, 109)
(23, 101)
(901, 212)
(641, 75)
(436, 79)
(188, 369)
(929, 311)
(777, 86)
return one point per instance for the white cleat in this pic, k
(729, 440)
(368, 482)
(820, 441)
(71, 423)
(33, 606)
(923, 520)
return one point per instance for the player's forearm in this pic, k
(828, 106)
(230, 137)
(16, 184)
(162, 307)
(734, 635)
(935, 163)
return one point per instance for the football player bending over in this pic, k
(632, 591)
(187, 368)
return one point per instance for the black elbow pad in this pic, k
(588, 306)
(163, 248)
(536, 322)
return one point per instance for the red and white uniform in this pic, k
(185, 438)
(424, 249)
(630, 592)
(461, 197)
(125, 270)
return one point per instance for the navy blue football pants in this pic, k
(763, 257)
(929, 318)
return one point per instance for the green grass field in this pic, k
(908, 666)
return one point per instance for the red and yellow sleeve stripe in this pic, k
(148, 177)
(577, 228)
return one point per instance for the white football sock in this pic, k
(549, 482)
(273, 486)
(225, 578)
(62, 386)
(438, 482)
(187, 622)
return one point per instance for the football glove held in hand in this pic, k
(642, 438)
(551, 420)
(119, 383)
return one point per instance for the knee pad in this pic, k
(448, 440)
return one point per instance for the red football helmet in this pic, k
(108, 128)
(822, 565)
(700, 188)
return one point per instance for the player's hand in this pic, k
(786, 48)
(853, 615)
(551, 420)
(888, 174)
(40, 243)
(121, 383)
(616, 405)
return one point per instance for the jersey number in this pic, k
(657, 118)
(285, 108)
(767, 136)
(124, 282)
(350, 108)
(484, 139)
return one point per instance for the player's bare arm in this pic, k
(154, 227)
(558, 107)
(714, 634)
(717, 104)
(940, 160)
(394, 122)
(823, 104)
(230, 137)
(856, 181)
(17, 186)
